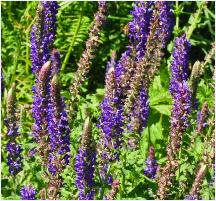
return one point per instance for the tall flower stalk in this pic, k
(13, 148)
(110, 125)
(197, 72)
(39, 111)
(42, 38)
(58, 129)
(194, 193)
(88, 55)
(158, 29)
(180, 112)
(84, 164)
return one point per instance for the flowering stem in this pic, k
(74, 37)
(196, 20)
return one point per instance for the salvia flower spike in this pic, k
(139, 27)
(180, 92)
(13, 148)
(151, 164)
(43, 34)
(110, 125)
(28, 192)
(58, 129)
(84, 164)
(202, 118)
(160, 28)
(194, 193)
(114, 190)
(181, 95)
(39, 110)
(87, 56)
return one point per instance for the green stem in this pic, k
(195, 21)
(74, 38)
(27, 47)
(123, 175)
(177, 15)
(16, 60)
(118, 18)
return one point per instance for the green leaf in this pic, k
(163, 109)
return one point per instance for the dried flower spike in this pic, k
(114, 190)
(87, 56)
(194, 193)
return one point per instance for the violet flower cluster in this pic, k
(43, 34)
(13, 148)
(202, 116)
(50, 129)
(59, 131)
(180, 92)
(121, 80)
(28, 193)
(42, 38)
(84, 164)
(151, 164)
(180, 112)
(139, 27)
(110, 124)
(157, 21)
(39, 110)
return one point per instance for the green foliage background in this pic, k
(74, 20)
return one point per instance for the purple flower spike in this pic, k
(202, 118)
(166, 21)
(151, 164)
(59, 131)
(84, 164)
(181, 110)
(139, 27)
(43, 34)
(13, 148)
(180, 91)
(140, 113)
(28, 193)
(111, 125)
